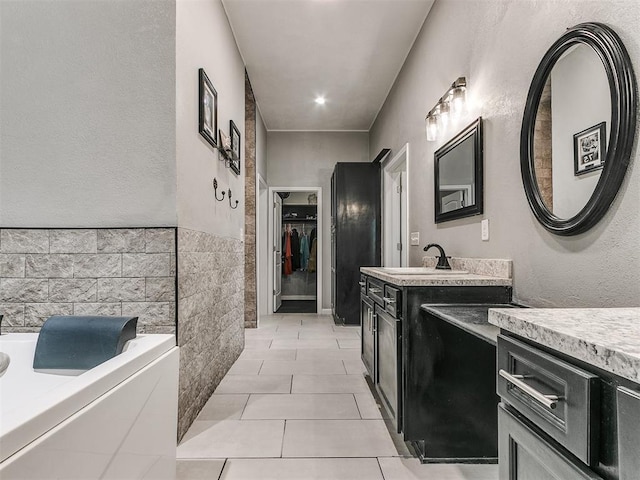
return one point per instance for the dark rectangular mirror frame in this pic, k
(473, 131)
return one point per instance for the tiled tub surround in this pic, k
(608, 338)
(210, 316)
(46, 272)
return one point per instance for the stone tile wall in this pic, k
(250, 263)
(542, 147)
(46, 272)
(210, 316)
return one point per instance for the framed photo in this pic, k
(589, 149)
(234, 161)
(208, 116)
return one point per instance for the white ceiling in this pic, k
(349, 51)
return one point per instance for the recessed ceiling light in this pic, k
(320, 100)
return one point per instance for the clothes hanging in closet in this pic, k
(304, 251)
(312, 255)
(287, 269)
(295, 250)
(312, 237)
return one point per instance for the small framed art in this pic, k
(208, 111)
(234, 160)
(589, 149)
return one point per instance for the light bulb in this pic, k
(432, 128)
(444, 114)
(320, 100)
(458, 97)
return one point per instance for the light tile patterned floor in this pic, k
(296, 406)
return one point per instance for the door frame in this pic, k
(262, 245)
(399, 162)
(319, 235)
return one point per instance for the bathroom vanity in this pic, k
(569, 381)
(392, 329)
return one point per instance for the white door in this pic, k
(395, 216)
(397, 242)
(277, 251)
(452, 201)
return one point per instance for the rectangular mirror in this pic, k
(458, 175)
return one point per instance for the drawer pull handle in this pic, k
(375, 290)
(362, 284)
(388, 300)
(549, 401)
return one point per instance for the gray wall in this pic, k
(307, 159)
(204, 39)
(261, 146)
(497, 45)
(210, 239)
(87, 113)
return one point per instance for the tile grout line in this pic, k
(380, 467)
(224, 465)
(357, 406)
(284, 431)
(245, 406)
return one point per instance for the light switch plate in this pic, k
(415, 238)
(485, 229)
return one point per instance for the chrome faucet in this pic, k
(443, 263)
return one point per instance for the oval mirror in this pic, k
(578, 129)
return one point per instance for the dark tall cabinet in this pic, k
(355, 234)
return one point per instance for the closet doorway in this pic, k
(297, 255)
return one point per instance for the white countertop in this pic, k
(608, 338)
(436, 279)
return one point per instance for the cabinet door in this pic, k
(367, 335)
(629, 433)
(387, 365)
(527, 455)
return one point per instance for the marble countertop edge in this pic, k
(457, 279)
(608, 338)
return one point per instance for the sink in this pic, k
(420, 271)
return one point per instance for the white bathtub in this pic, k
(115, 421)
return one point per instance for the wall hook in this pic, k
(230, 204)
(215, 190)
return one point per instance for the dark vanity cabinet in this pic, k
(560, 418)
(393, 340)
(629, 431)
(368, 334)
(450, 394)
(355, 234)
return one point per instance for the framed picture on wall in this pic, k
(208, 111)
(589, 149)
(234, 160)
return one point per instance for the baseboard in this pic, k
(297, 297)
(326, 311)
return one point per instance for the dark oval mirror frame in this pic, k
(475, 131)
(622, 85)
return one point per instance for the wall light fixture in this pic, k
(451, 103)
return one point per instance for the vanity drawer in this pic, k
(392, 299)
(363, 284)
(375, 290)
(559, 398)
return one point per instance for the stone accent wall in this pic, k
(250, 265)
(210, 316)
(542, 148)
(46, 272)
